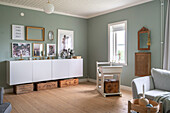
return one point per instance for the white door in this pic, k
(41, 70)
(20, 72)
(60, 69)
(76, 68)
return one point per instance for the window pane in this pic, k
(117, 42)
(120, 57)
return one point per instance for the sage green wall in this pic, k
(11, 15)
(91, 35)
(147, 15)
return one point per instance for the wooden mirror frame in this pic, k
(143, 30)
(41, 28)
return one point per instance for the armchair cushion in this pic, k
(137, 85)
(161, 79)
(153, 93)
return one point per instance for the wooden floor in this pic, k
(82, 98)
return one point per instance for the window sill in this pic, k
(119, 64)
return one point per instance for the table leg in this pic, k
(129, 106)
(160, 108)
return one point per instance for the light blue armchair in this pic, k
(156, 84)
(4, 107)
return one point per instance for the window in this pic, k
(118, 42)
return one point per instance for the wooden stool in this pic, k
(134, 105)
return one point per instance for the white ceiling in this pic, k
(77, 8)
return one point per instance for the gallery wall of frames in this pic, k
(40, 50)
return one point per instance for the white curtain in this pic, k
(166, 59)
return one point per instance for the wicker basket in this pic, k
(134, 105)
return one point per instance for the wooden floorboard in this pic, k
(82, 98)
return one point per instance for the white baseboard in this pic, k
(127, 88)
(91, 80)
(83, 80)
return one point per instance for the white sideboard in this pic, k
(29, 71)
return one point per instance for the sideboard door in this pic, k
(20, 72)
(76, 68)
(41, 70)
(60, 69)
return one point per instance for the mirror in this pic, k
(35, 33)
(144, 39)
(50, 35)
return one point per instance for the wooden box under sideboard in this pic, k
(24, 88)
(68, 82)
(46, 85)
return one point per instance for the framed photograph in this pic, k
(18, 32)
(21, 48)
(65, 40)
(51, 49)
(38, 49)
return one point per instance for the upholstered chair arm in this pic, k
(1, 95)
(137, 85)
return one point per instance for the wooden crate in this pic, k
(111, 86)
(46, 85)
(68, 82)
(24, 88)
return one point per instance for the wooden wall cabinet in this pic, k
(142, 63)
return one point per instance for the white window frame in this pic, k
(109, 42)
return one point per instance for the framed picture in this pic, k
(38, 49)
(18, 32)
(35, 33)
(65, 40)
(21, 48)
(51, 49)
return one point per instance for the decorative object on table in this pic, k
(133, 105)
(18, 32)
(76, 57)
(21, 48)
(49, 8)
(51, 35)
(65, 41)
(51, 49)
(21, 57)
(142, 63)
(67, 54)
(144, 39)
(143, 101)
(35, 33)
(38, 49)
